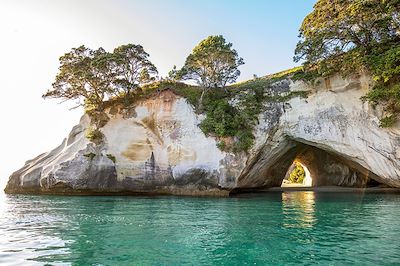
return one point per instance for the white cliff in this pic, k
(156, 146)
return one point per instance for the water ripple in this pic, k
(289, 228)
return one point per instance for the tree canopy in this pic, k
(297, 175)
(213, 63)
(337, 26)
(93, 75)
(79, 77)
(350, 35)
(132, 67)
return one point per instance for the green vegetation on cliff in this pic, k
(346, 36)
(338, 36)
(231, 123)
(212, 64)
(125, 76)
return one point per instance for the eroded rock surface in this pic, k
(333, 119)
(157, 147)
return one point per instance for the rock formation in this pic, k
(156, 146)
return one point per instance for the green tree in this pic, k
(173, 74)
(297, 175)
(133, 68)
(212, 64)
(338, 26)
(95, 75)
(350, 35)
(83, 74)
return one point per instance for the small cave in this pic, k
(299, 165)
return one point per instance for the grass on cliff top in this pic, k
(232, 124)
(266, 80)
(192, 93)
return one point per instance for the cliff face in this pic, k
(334, 134)
(156, 146)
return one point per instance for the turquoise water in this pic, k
(290, 228)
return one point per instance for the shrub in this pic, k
(90, 156)
(387, 121)
(297, 175)
(112, 158)
(94, 135)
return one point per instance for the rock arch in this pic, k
(328, 168)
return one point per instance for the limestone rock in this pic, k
(157, 147)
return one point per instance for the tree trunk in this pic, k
(200, 104)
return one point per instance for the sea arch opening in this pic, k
(325, 167)
(298, 175)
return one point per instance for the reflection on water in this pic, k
(298, 209)
(271, 229)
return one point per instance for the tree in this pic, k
(83, 73)
(213, 64)
(173, 74)
(297, 175)
(133, 67)
(346, 36)
(94, 75)
(338, 26)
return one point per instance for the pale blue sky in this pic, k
(34, 34)
(263, 32)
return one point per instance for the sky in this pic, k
(35, 33)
